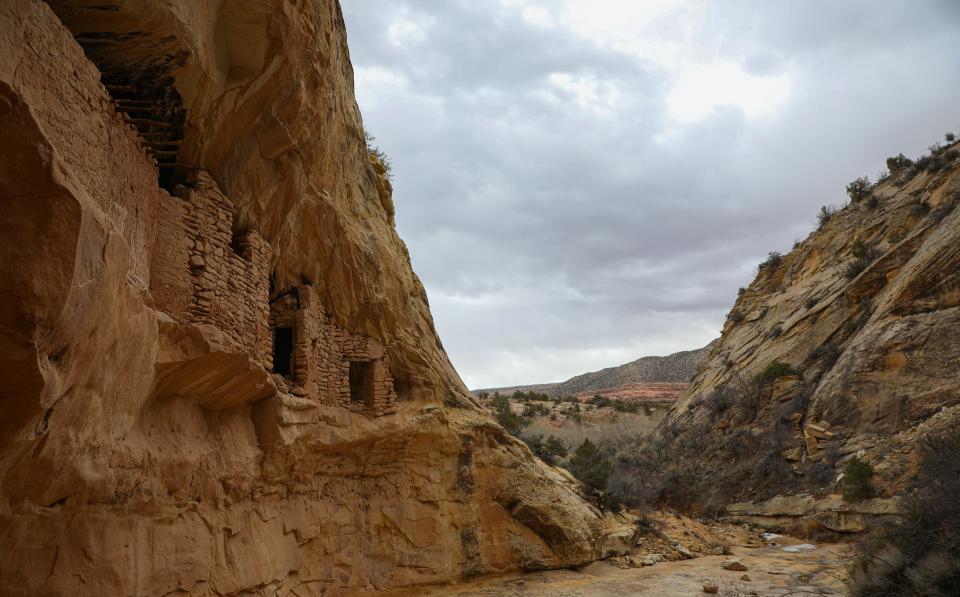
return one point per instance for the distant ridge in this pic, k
(678, 367)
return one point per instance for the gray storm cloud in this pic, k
(564, 218)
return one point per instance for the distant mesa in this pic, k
(647, 378)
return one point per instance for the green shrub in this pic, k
(510, 421)
(530, 396)
(773, 371)
(932, 163)
(859, 188)
(776, 332)
(591, 464)
(550, 450)
(899, 164)
(772, 261)
(555, 446)
(535, 410)
(811, 302)
(949, 137)
(856, 480)
(736, 317)
(599, 400)
(864, 255)
(624, 406)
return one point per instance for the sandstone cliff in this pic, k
(219, 373)
(849, 344)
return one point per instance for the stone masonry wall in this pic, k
(203, 275)
(323, 351)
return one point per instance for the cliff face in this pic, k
(218, 372)
(849, 344)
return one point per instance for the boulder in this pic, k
(734, 564)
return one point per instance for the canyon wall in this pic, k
(218, 371)
(847, 346)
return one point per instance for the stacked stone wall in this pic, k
(170, 280)
(203, 275)
(323, 352)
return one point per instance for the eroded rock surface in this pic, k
(848, 345)
(218, 371)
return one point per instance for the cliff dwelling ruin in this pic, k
(205, 274)
(202, 270)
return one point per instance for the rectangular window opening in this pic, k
(361, 382)
(283, 351)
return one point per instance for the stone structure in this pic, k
(204, 274)
(321, 360)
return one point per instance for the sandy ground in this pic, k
(771, 570)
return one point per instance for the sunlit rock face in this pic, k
(218, 371)
(848, 345)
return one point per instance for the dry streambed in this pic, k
(770, 571)
(754, 565)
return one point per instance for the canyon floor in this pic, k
(772, 572)
(693, 557)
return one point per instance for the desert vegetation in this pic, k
(378, 156)
(859, 188)
(918, 555)
(857, 477)
(584, 437)
(863, 256)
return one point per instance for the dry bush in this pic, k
(920, 554)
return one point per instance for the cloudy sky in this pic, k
(584, 182)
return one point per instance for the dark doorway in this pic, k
(361, 382)
(283, 351)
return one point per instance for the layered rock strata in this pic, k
(218, 371)
(847, 346)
